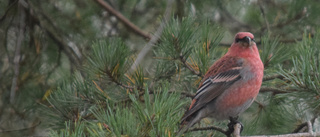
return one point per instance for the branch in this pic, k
(55, 67)
(262, 89)
(231, 18)
(181, 58)
(289, 21)
(190, 95)
(56, 37)
(13, 130)
(237, 130)
(315, 134)
(272, 77)
(208, 128)
(17, 55)
(113, 79)
(264, 15)
(7, 10)
(305, 124)
(153, 39)
(123, 19)
(274, 90)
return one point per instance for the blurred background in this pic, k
(70, 67)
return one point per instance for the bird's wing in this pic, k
(226, 75)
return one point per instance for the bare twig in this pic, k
(55, 67)
(113, 79)
(7, 10)
(264, 15)
(153, 39)
(237, 130)
(190, 95)
(300, 127)
(56, 37)
(208, 128)
(305, 124)
(272, 77)
(21, 129)
(17, 55)
(231, 18)
(259, 103)
(184, 61)
(289, 21)
(274, 90)
(316, 134)
(123, 19)
(309, 127)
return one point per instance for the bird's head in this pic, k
(245, 39)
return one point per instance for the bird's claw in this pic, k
(233, 122)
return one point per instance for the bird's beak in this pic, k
(248, 40)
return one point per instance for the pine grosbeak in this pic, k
(230, 85)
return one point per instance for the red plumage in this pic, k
(230, 85)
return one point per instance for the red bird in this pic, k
(230, 85)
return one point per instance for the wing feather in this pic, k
(215, 83)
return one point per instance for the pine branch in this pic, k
(55, 67)
(123, 19)
(7, 10)
(230, 18)
(184, 62)
(17, 56)
(290, 135)
(237, 130)
(208, 128)
(21, 129)
(288, 22)
(113, 79)
(264, 15)
(154, 38)
(55, 36)
(281, 41)
(305, 124)
(262, 89)
(275, 90)
(272, 77)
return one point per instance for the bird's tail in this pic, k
(187, 123)
(183, 128)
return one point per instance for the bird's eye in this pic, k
(253, 40)
(237, 40)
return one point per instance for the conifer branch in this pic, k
(231, 18)
(17, 56)
(305, 124)
(315, 134)
(190, 95)
(289, 21)
(50, 29)
(114, 80)
(154, 37)
(184, 62)
(272, 77)
(275, 90)
(123, 19)
(208, 128)
(237, 130)
(264, 15)
(21, 129)
(12, 3)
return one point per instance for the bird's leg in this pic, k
(233, 121)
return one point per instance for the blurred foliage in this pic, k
(66, 66)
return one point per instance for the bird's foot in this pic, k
(233, 122)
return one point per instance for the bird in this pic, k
(229, 86)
